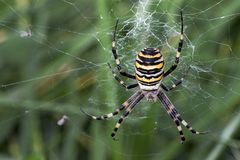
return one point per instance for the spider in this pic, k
(149, 74)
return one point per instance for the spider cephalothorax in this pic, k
(149, 74)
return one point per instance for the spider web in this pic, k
(59, 80)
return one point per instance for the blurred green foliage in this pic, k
(53, 61)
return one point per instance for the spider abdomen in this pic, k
(149, 69)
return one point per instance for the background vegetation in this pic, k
(53, 61)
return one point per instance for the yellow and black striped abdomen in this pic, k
(149, 68)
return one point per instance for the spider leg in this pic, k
(117, 61)
(126, 113)
(180, 44)
(174, 114)
(173, 86)
(122, 83)
(120, 108)
(187, 125)
(176, 121)
(176, 83)
(179, 127)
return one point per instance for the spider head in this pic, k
(151, 95)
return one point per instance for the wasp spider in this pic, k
(149, 74)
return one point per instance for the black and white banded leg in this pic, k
(180, 44)
(126, 113)
(187, 125)
(168, 107)
(121, 82)
(176, 83)
(176, 121)
(175, 115)
(117, 61)
(120, 108)
(173, 86)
